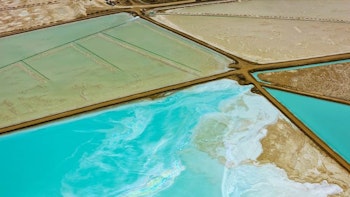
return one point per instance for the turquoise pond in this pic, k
(195, 142)
(328, 120)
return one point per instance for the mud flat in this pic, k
(260, 40)
(328, 80)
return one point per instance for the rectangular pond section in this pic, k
(70, 66)
(328, 120)
(264, 31)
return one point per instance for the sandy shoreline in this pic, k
(330, 80)
(289, 148)
(249, 133)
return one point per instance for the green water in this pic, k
(328, 120)
(17, 47)
(107, 57)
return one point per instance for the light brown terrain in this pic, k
(265, 31)
(21, 15)
(331, 80)
(287, 147)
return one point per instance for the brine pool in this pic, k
(201, 141)
(327, 119)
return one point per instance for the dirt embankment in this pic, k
(25, 14)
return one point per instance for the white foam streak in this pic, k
(114, 157)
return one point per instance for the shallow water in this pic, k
(328, 120)
(110, 61)
(204, 140)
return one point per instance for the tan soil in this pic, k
(287, 147)
(264, 40)
(336, 10)
(19, 15)
(266, 31)
(332, 80)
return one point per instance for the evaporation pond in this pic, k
(201, 141)
(109, 57)
(328, 120)
(132, 150)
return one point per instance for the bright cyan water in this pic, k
(328, 120)
(202, 141)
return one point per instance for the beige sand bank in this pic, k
(331, 80)
(288, 33)
(287, 147)
(18, 15)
